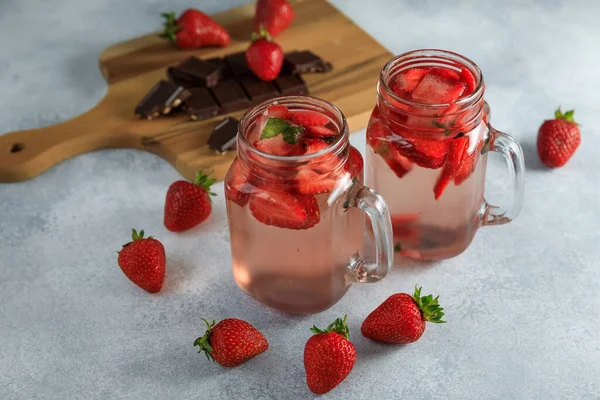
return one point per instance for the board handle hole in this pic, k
(17, 147)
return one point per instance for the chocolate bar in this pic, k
(223, 135)
(291, 85)
(237, 63)
(258, 90)
(196, 72)
(201, 104)
(163, 97)
(303, 62)
(230, 96)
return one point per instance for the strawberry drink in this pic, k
(294, 201)
(427, 144)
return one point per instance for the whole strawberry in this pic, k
(273, 16)
(194, 29)
(264, 57)
(328, 357)
(188, 204)
(231, 342)
(143, 262)
(402, 317)
(558, 139)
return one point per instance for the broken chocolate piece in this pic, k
(304, 62)
(201, 104)
(291, 85)
(196, 72)
(163, 97)
(237, 63)
(223, 135)
(258, 90)
(230, 96)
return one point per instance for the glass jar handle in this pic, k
(504, 144)
(359, 271)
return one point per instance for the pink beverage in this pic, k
(428, 139)
(294, 200)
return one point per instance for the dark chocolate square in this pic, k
(230, 96)
(304, 62)
(163, 97)
(224, 135)
(198, 73)
(201, 105)
(291, 85)
(237, 63)
(258, 90)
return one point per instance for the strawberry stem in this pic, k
(567, 116)
(338, 326)
(202, 342)
(170, 26)
(205, 181)
(430, 309)
(262, 34)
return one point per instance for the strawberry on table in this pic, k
(231, 342)
(329, 356)
(402, 318)
(456, 150)
(264, 57)
(143, 261)
(188, 204)
(558, 139)
(194, 29)
(271, 206)
(273, 15)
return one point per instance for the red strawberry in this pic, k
(434, 89)
(194, 29)
(468, 164)
(231, 342)
(264, 57)
(314, 145)
(406, 81)
(457, 148)
(277, 111)
(283, 210)
(188, 204)
(308, 118)
(355, 163)
(379, 139)
(329, 356)
(237, 187)
(446, 73)
(466, 76)
(426, 153)
(320, 132)
(308, 181)
(143, 262)
(401, 318)
(273, 16)
(277, 146)
(558, 139)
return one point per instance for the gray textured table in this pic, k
(523, 322)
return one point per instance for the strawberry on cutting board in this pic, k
(143, 261)
(231, 342)
(558, 139)
(402, 318)
(188, 204)
(194, 29)
(329, 356)
(264, 56)
(273, 16)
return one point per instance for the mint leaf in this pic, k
(291, 134)
(274, 127)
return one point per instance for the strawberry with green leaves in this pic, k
(188, 204)
(273, 16)
(194, 29)
(329, 356)
(143, 261)
(402, 318)
(558, 139)
(264, 56)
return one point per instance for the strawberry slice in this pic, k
(256, 129)
(406, 81)
(314, 145)
(437, 90)
(237, 187)
(355, 163)
(320, 132)
(313, 214)
(379, 138)
(308, 118)
(424, 152)
(311, 182)
(278, 147)
(456, 150)
(468, 164)
(282, 209)
(446, 73)
(469, 80)
(277, 111)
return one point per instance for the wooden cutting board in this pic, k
(131, 68)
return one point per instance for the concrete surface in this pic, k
(521, 301)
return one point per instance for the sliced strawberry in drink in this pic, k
(320, 132)
(468, 164)
(311, 182)
(278, 147)
(403, 219)
(237, 187)
(256, 129)
(277, 111)
(379, 138)
(314, 145)
(313, 214)
(397, 162)
(406, 81)
(457, 148)
(446, 73)
(308, 118)
(468, 79)
(437, 90)
(280, 209)
(375, 113)
(426, 153)
(355, 163)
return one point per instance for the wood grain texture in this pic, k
(131, 68)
